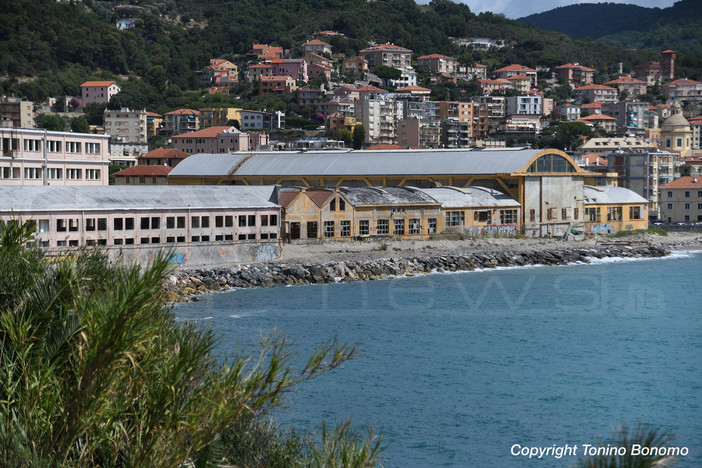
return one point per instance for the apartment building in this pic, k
(596, 93)
(379, 116)
(219, 116)
(419, 133)
(98, 91)
(683, 90)
(180, 121)
(126, 125)
(575, 74)
(218, 140)
(316, 46)
(517, 69)
(39, 157)
(629, 86)
(681, 200)
(16, 113)
(437, 63)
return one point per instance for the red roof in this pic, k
(431, 56)
(516, 67)
(594, 160)
(596, 117)
(209, 132)
(153, 114)
(626, 80)
(685, 182)
(316, 42)
(163, 153)
(97, 83)
(575, 65)
(156, 170)
(592, 105)
(594, 86)
(386, 47)
(366, 89)
(683, 81)
(183, 111)
(319, 196)
(519, 77)
(413, 89)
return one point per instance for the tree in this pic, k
(80, 125)
(50, 122)
(359, 136)
(95, 371)
(386, 73)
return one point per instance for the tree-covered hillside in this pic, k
(678, 27)
(49, 48)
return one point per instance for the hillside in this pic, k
(678, 27)
(62, 45)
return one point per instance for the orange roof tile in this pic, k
(519, 77)
(316, 42)
(626, 80)
(161, 153)
(596, 117)
(97, 83)
(516, 67)
(386, 147)
(592, 105)
(183, 111)
(575, 65)
(685, 182)
(594, 86)
(413, 89)
(431, 56)
(153, 114)
(386, 47)
(209, 132)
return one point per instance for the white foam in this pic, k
(676, 254)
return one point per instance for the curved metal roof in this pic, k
(23, 199)
(461, 197)
(359, 196)
(611, 195)
(359, 163)
(209, 164)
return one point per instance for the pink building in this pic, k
(276, 84)
(683, 90)
(356, 64)
(217, 223)
(632, 86)
(575, 74)
(296, 68)
(437, 63)
(28, 155)
(98, 91)
(596, 93)
(516, 69)
(488, 87)
(215, 140)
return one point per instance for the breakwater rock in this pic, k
(188, 284)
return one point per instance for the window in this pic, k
(118, 224)
(614, 213)
(10, 173)
(670, 194)
(219, 221)
(252, 220)
(576, 213)
(90, 224)
(332, 205)
(532, 215)
(32, 173)
(92, 174)
(592, 214)
(635, 212)
(481, 216)
(687, 218)
(43, 225)
(342, 205)
(61, 225)
(383, 227)
(363, 227)
(508, 216)
(687, 194)
(228, 221)
(55, 174)
(345, 228)
(180, 222)
(699, 194)
(145, 223)
(128, 224)
(242, 220)
(102, 224)
(699, 206)
(170, 222)
(129, 241)
(195, 221)
(687, 206)
(670, 206)
(398, 227)
(455, 218)
(328, 228)
(413, 227)
(73, 174)
(564, 214)
(32, 145)
(431, 229)
(144, 240)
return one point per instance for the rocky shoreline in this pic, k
(186, 285)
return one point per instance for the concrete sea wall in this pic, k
(187, 284)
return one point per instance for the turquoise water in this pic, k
(457, 368)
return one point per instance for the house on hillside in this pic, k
(98, 91)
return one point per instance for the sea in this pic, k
(486, 368)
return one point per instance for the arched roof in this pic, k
(367, 163)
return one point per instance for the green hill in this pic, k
(64, 44)
(678, 27)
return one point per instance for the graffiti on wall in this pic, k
(266, 252)
(489, 231)
(177, 259)
(601, 228)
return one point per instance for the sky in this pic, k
(519, 8)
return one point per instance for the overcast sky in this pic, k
(519, 8)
